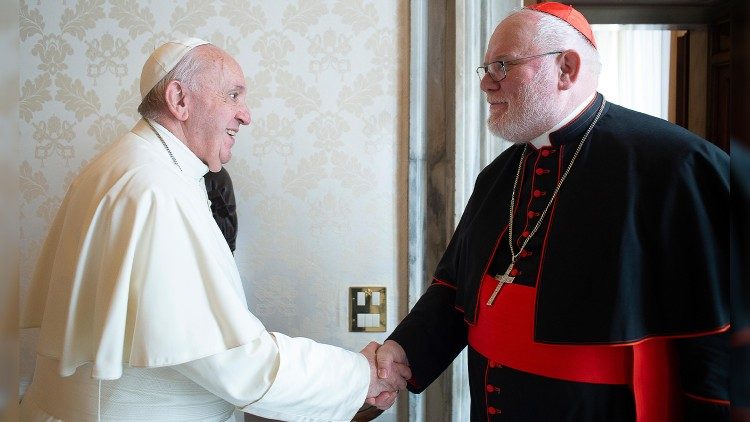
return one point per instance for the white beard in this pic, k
(530, 114)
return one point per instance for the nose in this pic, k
(243, 115)
(488, 83)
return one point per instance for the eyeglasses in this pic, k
(499, 70)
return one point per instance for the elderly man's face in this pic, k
(522, 106)
(218, 109)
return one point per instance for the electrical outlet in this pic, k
(367, 309)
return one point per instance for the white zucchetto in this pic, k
(164, 59)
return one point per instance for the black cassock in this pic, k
(633, 249)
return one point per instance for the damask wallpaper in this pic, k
(316, 173)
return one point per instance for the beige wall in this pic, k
(315, 173)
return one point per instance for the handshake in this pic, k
(389, 370)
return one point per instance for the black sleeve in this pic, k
(432, 335)
(704, 375)
(434, 332)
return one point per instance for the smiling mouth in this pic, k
(498, 104)
(232, 132)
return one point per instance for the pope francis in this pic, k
(141, 311)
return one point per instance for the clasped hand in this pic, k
(389, 370)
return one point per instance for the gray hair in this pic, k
(555, 34)
(186, 71)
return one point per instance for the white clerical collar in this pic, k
(190, 164)
(543, 139)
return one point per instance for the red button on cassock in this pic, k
(525, 233)
(545, 153)
(490, 389)
(514, 272)
(539, 171)
(537, 193)
(492, 411)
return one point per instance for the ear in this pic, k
(570, 66)
(177, 100)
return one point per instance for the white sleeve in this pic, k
(284, 378)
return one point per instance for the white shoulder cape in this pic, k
(135, 270)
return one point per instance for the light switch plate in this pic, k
(370, 316)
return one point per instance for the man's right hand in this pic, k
(391, 361)
(385, 382)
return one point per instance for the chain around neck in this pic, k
(514, 255)
(169, 151)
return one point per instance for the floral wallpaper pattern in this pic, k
(315, 173)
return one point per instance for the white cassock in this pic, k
(136, 286)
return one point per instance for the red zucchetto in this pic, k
(573, 17)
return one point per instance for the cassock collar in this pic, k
(190, 164)
(560, 133)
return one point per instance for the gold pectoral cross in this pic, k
(501, 281)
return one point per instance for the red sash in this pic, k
(504, 333)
